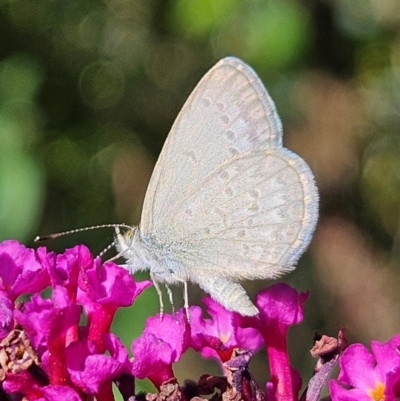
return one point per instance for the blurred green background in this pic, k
(90, 88)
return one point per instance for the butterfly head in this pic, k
(125, 241)
(130, 247)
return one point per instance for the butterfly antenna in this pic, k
(77, 230)
(105, 250)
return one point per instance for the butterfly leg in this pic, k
(157, 287)
(171, 301)
(185, 295)
(186, 300)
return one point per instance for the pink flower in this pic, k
(20, 270)
(64, 269)
(161, 344)
(23, 383)
(46, 322)
(90, 369)
(219, 336)
(103, 289)
(369, 376)
(280, 307)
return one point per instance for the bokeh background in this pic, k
(90, 88)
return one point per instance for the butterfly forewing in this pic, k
(227, 114)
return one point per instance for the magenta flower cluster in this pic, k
(46, 352)
(57, 344)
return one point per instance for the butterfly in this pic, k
(226, 201)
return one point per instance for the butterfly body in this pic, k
(149, 254)
(226, 201)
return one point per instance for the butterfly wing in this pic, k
(225, 194)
